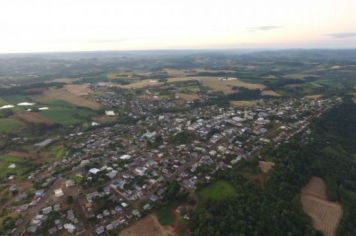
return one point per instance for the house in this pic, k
(58, 192)
(125, 157)
(47, 210)
(110, 113)
(69, 183)
(94, 171)
(69, 227)
(100, 230)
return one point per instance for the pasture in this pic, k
(217, 191)
(67, 115)
(8, 125)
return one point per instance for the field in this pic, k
(187, 97)
(141, 84)
(10, 124)
(32, 117)
(265, 166)
(225, 86)
(66, 115)
(239, 104)
(21, 166)
(269, 92)
(217, 191)
(70, 94)
(3, 102)
(148, 226)
(78, 89)
(325, 214)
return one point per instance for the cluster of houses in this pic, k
(120, 172)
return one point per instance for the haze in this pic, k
(87, 25)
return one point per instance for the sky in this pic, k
(90, 25)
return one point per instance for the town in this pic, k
(113, 175)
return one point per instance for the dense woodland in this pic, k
(330, 154)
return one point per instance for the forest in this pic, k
(276, 210)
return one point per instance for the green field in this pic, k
(67, 115)
(57, 151)
(10, 124)
(3, 102)
(22, 166)
(14, 99)
(164, 213)
(217, 191)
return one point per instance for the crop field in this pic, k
(10, 124)
(225, 86)
(240, 104)
(78, 89)
(217, 191)
(65, 95)
(325, 214)
(269, 92)
(21, 166)
(32, 117)
(187, 97)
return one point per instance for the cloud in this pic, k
(264, 28)
(343, 35)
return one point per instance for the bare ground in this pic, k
(325, 214)
(148, 226)
(265, 166)
(32, 117)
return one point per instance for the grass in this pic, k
(57, 151)
(66, 115)
(164, 213)
(59, 103)
(22, 166)
(3, 102)
(8, 125)
(217, 191)
(14, 99)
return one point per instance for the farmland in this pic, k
(242, 104)
(325, 214)
(71, 94)
(31, 117)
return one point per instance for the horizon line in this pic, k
(177, 49)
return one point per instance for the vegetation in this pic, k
(277, 210)
(21, 168)
(218, 191)
(9, 125)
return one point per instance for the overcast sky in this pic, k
(81, 25)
